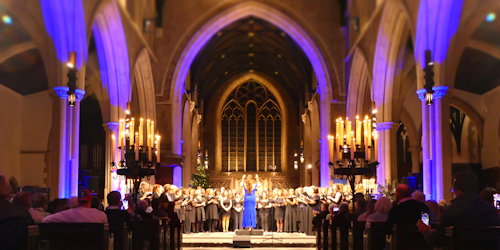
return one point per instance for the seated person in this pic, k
(23, 199)
(8, 210)
(157, 211)
(408, 210)
(38, 202)
(342, 217)
(113, 211)
(321, 215)
(467, 209)
(144, 210)
(82, 214)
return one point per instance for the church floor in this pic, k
(225, 240)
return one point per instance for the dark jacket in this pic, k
(7, 210)
(118, 216)
(342, 219)
(466, 210)
(407, 212)
(321, 216)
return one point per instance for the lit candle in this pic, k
(341, 132)
(150, 150)
(132, 124)
(113, 148)
(358, 130)
(148, 133)
(158, 152)
(136, 148)
(348, 130)
(141, 132)
(124, 147)
(152, 134)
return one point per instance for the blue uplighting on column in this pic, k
(65, 23)
(177, 176)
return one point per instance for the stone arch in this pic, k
(143, 79)
(359, 83)
(113, 57)
(472, 114)
(273, 16)
(391, 37)
(224, 91)
(187, 147)
(411, 129)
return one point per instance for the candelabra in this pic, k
(353, 151)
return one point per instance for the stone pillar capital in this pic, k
(439, 92)
(112, 126)
(79, 94)
(382, 126)
(61, 91)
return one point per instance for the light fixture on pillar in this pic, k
(72, 79)
(295, 162)
(429, 77)
(301, 151)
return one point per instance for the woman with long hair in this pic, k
(199, 208)
(279, 210)
(249, 215)
(265, 207)
(237, 211)
(212, 210)
(226, 203)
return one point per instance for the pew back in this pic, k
(75, 235)
(14, 232)
(356, 235)
(472, 238)
(408, 237)
(375, 235)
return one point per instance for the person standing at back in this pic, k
(113, 211)
(407, 210)
(467, 209)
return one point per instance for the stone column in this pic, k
(386, 152)
(436, 145)
(68, 142)
(111, 128)
(415, 159)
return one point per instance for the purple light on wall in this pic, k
(438, 22)
(177, 176)
(65, 23)
(113, 55)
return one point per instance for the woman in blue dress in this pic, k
(249, 213)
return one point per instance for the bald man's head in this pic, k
(402, 191)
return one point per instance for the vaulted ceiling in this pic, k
(251, 45)
(478, 70)
(23, 72)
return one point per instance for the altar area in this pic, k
(219, 240)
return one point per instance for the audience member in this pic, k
(419, 196)
(342, 217)
(382, 208)
(82, 214)
(360, 207)
(113, 211)
(62, 205)
(157, 211)
(97, 203)
(320, 215)
(38, 202)
(142, 210)
(172, 215)
(73, 202)
(23, 199)
(434, 207)
(467, 209)
(442, 206)
(370, 209)
(8, 210)
(407, 210)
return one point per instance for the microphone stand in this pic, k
(272, 231)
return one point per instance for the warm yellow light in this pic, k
(357, 117)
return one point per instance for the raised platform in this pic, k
(287, 240)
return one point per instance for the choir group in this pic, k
(221, 209)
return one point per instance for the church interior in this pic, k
(107, 94)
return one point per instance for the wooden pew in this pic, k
(14, 232)
(343, 232)
(374, 237)
(33, 237)
(407, 237)
(120, 235)
(484, 238)
(75, 235)
(356, 235)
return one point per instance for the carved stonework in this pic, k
(62, 92)
(386, 126)
(421, 94)
(113, 126)
(310, 106)
(192, 106)
(303, 116)
(199, 118)
(439, 91)
(79, 94)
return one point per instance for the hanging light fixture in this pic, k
(429, 78)
(72, 79)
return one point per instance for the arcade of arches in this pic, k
(249, 87)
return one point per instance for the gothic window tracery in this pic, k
(251, 130)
